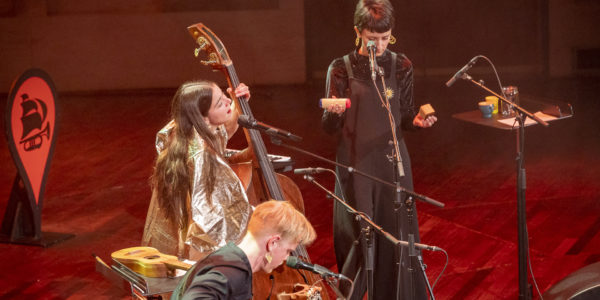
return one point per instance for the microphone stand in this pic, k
(277, 141)
(368, 236)
(399, 173)
(523, 243)
(276, 135)
(371, 226)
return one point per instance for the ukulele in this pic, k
(149, 262)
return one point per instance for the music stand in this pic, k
(520, 122)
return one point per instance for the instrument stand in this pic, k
(140, 286)
(523, 245)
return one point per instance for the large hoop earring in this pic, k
(392, 39)
(357, 41)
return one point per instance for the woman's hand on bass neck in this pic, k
(240, 91)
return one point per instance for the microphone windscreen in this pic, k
(291, 261)
(244, 121)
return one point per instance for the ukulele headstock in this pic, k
(208, 43)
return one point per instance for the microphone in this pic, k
(372, 48)
(296, 263)
(421, 246)
(247, 122)
(460, 72)
(310, 170)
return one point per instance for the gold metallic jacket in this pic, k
(215, 221)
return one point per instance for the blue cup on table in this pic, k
(486, 109)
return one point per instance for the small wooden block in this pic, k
(426, 110)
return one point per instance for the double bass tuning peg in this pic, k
(212, 59)
(202, 44)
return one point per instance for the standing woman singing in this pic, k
(198, 203)
(364, 135)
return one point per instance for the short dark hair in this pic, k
(374, 15)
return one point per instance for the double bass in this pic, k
(284, 282)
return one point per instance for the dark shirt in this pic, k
(338, 85)
(224, 274)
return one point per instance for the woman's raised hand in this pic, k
(241, 91)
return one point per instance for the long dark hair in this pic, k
(374, 15)
(173, 172)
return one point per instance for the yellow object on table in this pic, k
(494, 101)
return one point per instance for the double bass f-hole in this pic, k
(266, 184)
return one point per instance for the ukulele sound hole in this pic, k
(152, 257)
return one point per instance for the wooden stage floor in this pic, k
(98, 188)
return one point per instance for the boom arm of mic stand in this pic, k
(515, 106)
(279, 142)
(377, 228)
(355, 212)
(411, 244)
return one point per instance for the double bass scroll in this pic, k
(266, 184)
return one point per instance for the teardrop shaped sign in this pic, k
(31, 130)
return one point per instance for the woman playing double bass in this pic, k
(198, 203)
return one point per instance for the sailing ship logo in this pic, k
(34, 116)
